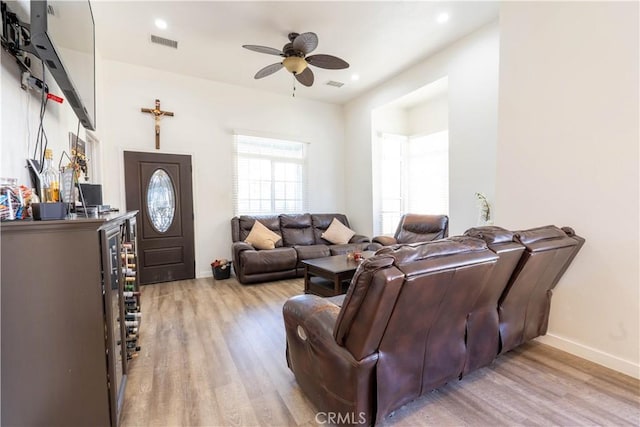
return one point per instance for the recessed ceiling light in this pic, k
(442, 18)
(355, 77)
(161, 23)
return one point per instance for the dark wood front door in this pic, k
(159, 186)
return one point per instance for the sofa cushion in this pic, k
(277, 259)
(338, 233)
(260, 237)
(311, 251)
(296, 230)
(321, 222)
(245, 224)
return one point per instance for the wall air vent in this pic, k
(334, 83)
(164, 42)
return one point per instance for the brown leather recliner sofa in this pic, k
(301, 239)
(420, 315)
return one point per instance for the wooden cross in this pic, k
(157, 115)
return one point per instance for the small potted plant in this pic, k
(221, 269)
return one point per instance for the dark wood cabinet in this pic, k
(64, 339)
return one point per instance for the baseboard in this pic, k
(593, 355)
(203, 274)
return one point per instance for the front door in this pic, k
(159, 186)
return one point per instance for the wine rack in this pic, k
(130, 295)
(122, 300)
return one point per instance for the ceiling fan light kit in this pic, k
(296, 60)
(294, 64)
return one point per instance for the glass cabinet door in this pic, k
(112, 290)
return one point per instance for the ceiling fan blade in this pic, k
(263, 49)
(306, 42)
(306, 77)
(268, 70)
(327, 61)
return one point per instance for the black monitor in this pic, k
(92, 194)
(63, 36)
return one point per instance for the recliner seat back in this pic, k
(296, 230)
(414, 228)
(414, 314)
(483, 325)
(525, 304)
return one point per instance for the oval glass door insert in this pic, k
(161, 201)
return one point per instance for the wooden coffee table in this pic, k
(328, 276)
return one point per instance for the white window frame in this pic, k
(271, 151)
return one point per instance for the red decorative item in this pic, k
(55, 98)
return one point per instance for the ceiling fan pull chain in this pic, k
(294, 86)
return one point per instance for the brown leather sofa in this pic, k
(415, 228)
(420, 315)
(301, 239)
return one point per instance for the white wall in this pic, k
(429, 117)
(568, 155)
(471, 65)
(19, 113)
(20, 120)
(206, 114)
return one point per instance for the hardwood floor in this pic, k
(213, 355)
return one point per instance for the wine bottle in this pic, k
(50, 180)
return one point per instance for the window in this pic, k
(414, 177)
(270, 176)
(392, 188)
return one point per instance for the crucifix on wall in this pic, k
(157, 115)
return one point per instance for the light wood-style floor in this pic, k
(213, 354)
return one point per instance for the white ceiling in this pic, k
(378, 39)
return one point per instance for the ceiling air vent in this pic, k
(164, 42)
(334, 83)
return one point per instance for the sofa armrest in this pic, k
(236, 249)
(242, 246)
(327, 372)
(359, 238)
(385, 240)
(316, 315)
(374, 246)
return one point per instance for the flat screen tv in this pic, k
(63, 35)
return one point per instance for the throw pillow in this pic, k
(338, 233)
(260, 237)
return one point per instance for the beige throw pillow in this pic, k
(260, 237)
(338, 233)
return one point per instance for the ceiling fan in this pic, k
(296, 60)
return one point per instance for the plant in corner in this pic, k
(484, 210)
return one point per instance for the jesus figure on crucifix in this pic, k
(157, 115)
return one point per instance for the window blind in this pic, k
(269, 176)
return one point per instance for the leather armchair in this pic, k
(416, 228)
